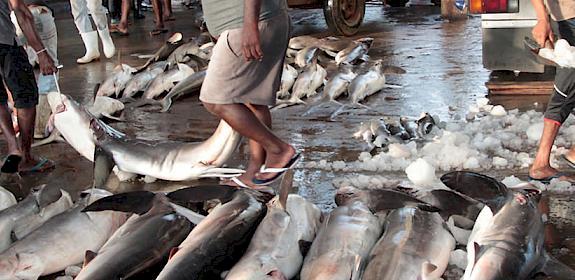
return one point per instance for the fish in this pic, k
(168, 160)
(425, 124)
(142, 80)
(20, 219)
(452, 203)
(367, 84)
(306, 84)
(356, 51)
(114, 84)
(166, 81)
(280, 242)
(333, 45)
(338, 84)
(343, 241)
(409, 126)
(164, 52)
(145, 239)
(301, 42)
(306, 56)
(107, 107)
(186, 86)
(180, 55)
(7, 199)
(61, 241)
(219, 240)
(416, 245)
(508, 232)
(395, 128)
(289, 75)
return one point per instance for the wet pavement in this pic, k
(444, 76)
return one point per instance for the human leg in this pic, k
(122, 27)
(245, 122)
(167, 10)
(159, 19)
(98, 13)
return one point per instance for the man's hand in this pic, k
(542, 32)
(251, 47)
(46, 63)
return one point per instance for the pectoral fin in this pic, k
(103, 165)
(88, 257)
(477, 186)
(203, 193)
(138, 202)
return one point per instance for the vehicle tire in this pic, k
(344, 17)
(396, 3)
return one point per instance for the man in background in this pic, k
(562, 100)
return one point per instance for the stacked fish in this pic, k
(372, 234)
(379, 133)
(177, 68)
(307, 52)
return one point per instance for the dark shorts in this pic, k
(562, 100)
(18, 75)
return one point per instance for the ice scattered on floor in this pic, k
(366, 182)
(501, 141)
(563, 54)
(421, 173)
(73, 270)
(511, 181)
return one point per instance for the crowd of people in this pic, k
(256, 35)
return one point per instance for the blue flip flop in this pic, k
(547, 180)
(279, 171)
(11, 163)
(40, 166)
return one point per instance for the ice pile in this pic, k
(563, 54)
(489, 138)
(421, 173)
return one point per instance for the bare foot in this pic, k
(548, 171)
(278, 160)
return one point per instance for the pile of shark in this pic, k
(371, 234)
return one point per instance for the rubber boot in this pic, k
(43, 112)
(91, 43)
(107, 43)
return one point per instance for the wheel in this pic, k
(344, 16)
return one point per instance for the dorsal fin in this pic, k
(387, 199)
(285, 188)
(477, 186)
(88, 257)
(138, 202)
(203, 193)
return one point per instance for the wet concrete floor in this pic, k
(444, 76)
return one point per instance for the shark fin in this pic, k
(554, 268)
(427, 269)
(103, 165)
(285, 188)
(387, 199)
(203, 193)
(192, 216)
(138, 202)
(173, 251)
(479, 187)
(357, 268)
(88, 257)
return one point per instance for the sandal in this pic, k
(43, 165)
(279, 171)
(156, 31)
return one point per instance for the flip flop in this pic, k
(241, 184)
(279, 171)
(115, 30)
(547, 180)
(43, 165)
(569, 162)
(11, 163)
(158, 31)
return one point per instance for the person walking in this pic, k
(18, 76)
(243, 76)
(46, 28)
(80, 9)
(562, 100)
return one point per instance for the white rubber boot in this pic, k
(107, 43)
(91, 43)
